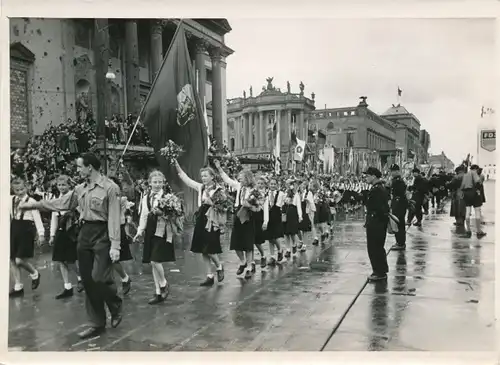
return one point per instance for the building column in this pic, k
(216, 58)
(288, 129)
(237, 133)
(132, 67)
(251, 129)
(262, 125)
(156, 46)
(301, 126)
(202, 72)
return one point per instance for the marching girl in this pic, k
(243, 233)
(321, 214)
(63, 237)
(261, 222)
(208, 226)
(292, 216)
(308, 209)
(23, 229)
(125, 253)
(158, 247)
(273, 230)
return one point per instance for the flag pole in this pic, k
(151, 88)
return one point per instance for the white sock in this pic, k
(210, 276)
(79, 278)
(219, 267)
(18, 287)
(164, 283)
(35, 275)
(68, 286)
(126, 279)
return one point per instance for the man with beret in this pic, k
(377, 219)
(419, 191)
(399, 205)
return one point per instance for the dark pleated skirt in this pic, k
(291, 226)
(259, 233)
(22, 239)
(275, 225)
(322, 214)
(156, 249)
(203, 241)
(305, 225)
(125, 254)
(64, 248)
(243, 235)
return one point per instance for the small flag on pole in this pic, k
(399, 91)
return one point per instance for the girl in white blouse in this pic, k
(261, 221)
(206, 237)
(273, 232)
(243, 233)
(24, 225)
(292, 210)
(308, 209)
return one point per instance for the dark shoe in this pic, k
(220, 274)
(280, 257)
(79, 286)
(116, 319)
(67, 293)
(272, 262)
(315, 242)
(16, 293)
(248, 274)
(288, 254)
(252, 266)
(302, 248)
(263, 262)
(91, 332)
(156, 300)
(35, 282)
(467, 235)
(397, 247)
(165, 291)
(294, 250)
(241, 269)
(418, 224)
(377, 277)
(480, 234)
(208, 282)
(126, 286)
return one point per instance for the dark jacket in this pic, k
(377, 204)
(399, 202)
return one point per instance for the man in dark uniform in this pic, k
(98, 200)
(399, 205)
(377, 218)
(419, 191)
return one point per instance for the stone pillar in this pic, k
(132, 67)
(202, 72)
(156, 46)
(262, 125)
(251, 123)
(301, 126)
(216, 57)
(237, 133)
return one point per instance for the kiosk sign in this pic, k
(488, 140)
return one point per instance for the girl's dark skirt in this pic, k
(205, 242)
(275, 225)
(22, 239)
(260, 237)
(64, 248)
(305, 225)
(125, 254)
(291, 226)
(243, 234)
(322, 214)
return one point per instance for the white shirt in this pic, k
(143, 220)
(310, 206)
(29, 215)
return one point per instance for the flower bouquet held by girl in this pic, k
(171, 152)
(253, 202)
(170, 208)
(217, 213)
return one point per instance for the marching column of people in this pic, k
(264, 211)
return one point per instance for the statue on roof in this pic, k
(301, 87)
(244, 94)
(313, 95)
(270, 83)
(251, 91)
(288, 86)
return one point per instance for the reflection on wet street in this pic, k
(439, 297)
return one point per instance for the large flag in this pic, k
(277, 149)
(299, 150)
(173, 111)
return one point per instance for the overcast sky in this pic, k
(444, 67)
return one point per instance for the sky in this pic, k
(445, 67)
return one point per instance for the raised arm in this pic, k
(186, 179)
(232, 183)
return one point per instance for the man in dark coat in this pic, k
(399, 205)
(419, 191)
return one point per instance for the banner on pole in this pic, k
(488, 140)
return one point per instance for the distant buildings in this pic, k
(441, 162)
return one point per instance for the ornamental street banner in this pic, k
(299, 150)
(488, 140)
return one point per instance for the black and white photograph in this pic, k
(252, 184)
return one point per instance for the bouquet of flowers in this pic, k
(216, 215)
(222, 202)
(171, 151)
(254, 200)
(170, 208)
(228, 161)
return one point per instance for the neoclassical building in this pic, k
(251, 119)
(53, 67)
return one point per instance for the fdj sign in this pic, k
(488, 140)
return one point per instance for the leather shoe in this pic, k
(91, 332)
(116, 320)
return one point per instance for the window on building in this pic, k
(330, 126)
(232, 144)
(353, 112)
(83, 29)
(208, 75)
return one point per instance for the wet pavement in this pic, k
(439, 297)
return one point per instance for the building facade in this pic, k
(441, 162)
(425, 144)
(53, 67)
(251, 120)
(407, 127)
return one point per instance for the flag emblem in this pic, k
(488, 140)
(186, 110)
